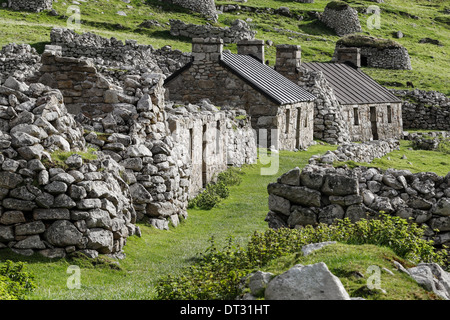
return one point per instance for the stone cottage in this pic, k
(371, 111)
(350, 106)
(283, 110)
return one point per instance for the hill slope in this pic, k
(415, 19)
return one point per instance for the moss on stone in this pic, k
(337, 5)
(357, 40)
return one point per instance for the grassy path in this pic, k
(157, 252)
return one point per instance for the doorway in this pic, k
(373, 122)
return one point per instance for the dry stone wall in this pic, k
(18, 60)
(115, 58)
(30, 5)
(386, 58)
(358, 152)
(205, 7)
(342, 18)
(322, 194)
(238, 31)
(56, 209)
(424, 109)
(329, 123)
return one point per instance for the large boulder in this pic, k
(312, 282)
(433, 278)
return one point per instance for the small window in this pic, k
(389, 114)
(355, 117)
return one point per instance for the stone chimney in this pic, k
(288, 60)
(206, 49)
(253, 48)
(350, 56)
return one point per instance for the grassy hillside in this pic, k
(417, 19)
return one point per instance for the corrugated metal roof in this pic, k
(352, 86)
(266, 80)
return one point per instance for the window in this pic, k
(389, 114)
(355, 117)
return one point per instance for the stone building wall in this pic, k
(206, 78)
(238, 31)
(374, 121)
(30, 5)
(329, 122)
(205, 7)
(210, 140)
(83, 88)
(49, 208)
(322, 194)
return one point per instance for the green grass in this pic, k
(158, 253)
(416, 160)
(431, 64)
(350, 263)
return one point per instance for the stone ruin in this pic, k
(30, 5)
(238, 31)
(342, 18)
(205, 7)
(148, 157)
(376, 53)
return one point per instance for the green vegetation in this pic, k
(409, 159)
(359, 40)
(59, 157)
(416, 19)
(219, 272)
(216, 191)
(15, 281)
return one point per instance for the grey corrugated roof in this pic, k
(352, 86)
(263, 78)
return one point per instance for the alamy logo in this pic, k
(74, 281)
(74, 21)
(374, 21)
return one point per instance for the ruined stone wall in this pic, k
(30, 5)
(115, 58)
(322, 194)
(387, 116)
(205, 7)
(18, 60)
(238, 31)
(424, 109)
(329, 122)
(206, 78)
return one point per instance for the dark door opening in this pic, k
(204, 173)
(373, 122)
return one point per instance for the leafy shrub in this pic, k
(215, 192)
(15, 281)
(219, 272)
(208, 198)
(231, 177)
(444, 146)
